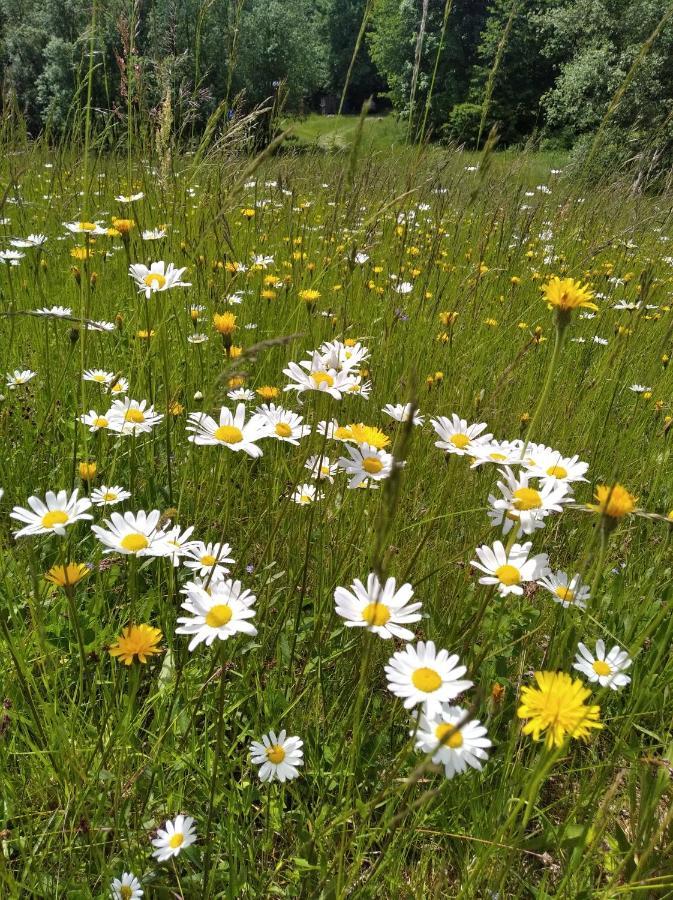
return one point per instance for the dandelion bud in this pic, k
(87, 470)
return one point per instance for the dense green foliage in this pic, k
(550, 69)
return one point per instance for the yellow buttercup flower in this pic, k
(136, 640)
(556, 709)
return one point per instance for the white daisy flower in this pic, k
(510, 570)
(133, 534)
(178, 543)
(126, 888)
(333, 431)
(317, 378)
(278, 757)
(606, 669)
(53, 312)
(19, 377)
(567, 592)
(94, 421)
(499, 452)
(420, 674)
(454, 742)
(456, 436)
(341, 356)
(51, 515)
(154, 234)
(132, 417)
(262, 262)
(523, 506)
(219, 611)
(109, 496)
(197, 338)
(11, 257)
(85, 227)
(174, 837)
(321, 468)
(242, 395)
(307, 493)
(403, 287)
(117, 385)
(639, 388)
(552, 466)
(381, 610)
(401, 412)
(282, 424)
(33, 240)
(99, 376)
(209, 560)
(361, 258)
(132, 199)
(159, 277)
(366, 463)
(232, 432)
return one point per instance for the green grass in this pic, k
(95, 755)
(338, 132)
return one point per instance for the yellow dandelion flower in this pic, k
(68, 575)
(369, 434)
(309, 295)
(224, 323)
(613, 501)
(566, 294)
(136, 640)
(267, 392)
(556, 709)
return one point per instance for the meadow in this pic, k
(155, 316)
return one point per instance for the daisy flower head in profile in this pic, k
(33, 240)
(18, 377)
(509, 569)
(232, 432)
(456, 436)
(133, 534)
(278, 756)
(220, 611)
(501, 453)
(282, 424)
(342, 356)
(85, 228)
(313, 376)
(605, 668)
(421, 675)
(402, 412)
(242, 395)
(132, 417)
(208, 560)
(555, 709)
(305, 494)
(52, 515)
(11, 257)
(454, 740)
(383, 610)
(98, 376)
(173, 838)
(126, 888)
(566, 591)
(158, 277)
(366, 463)
(130, 199)
(53, 312)
(321, 468)
(524, 506)
(154, 234)
(109, 496)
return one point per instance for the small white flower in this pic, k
(510, 570)
(305, 494)
(159, 277)
(232, 432)
(126, 888)
(219, 611)
(133, 534)
(174, 837)
(19, 377)
(606, 669)
(381, 610)
(278, 757)
(208, 560)
(401, 412)
(282, 424)
(420, 674)
(567, 592)
(454, 742)
(366, 463)
(456, 436)
(51, 515)
(321, 468)
(109, 496)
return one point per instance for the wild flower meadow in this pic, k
(335, 528)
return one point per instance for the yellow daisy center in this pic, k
(154, 280)
(376, 614)
(275, 754)
(175, 840)
(100, 422)
(497, 457)
(527, 498)
(219, 615)
(600, 667)
(459, 440)
(109, 495)
(426, 680)
(372, 465)
(229, 434)
(55, 517)
(449, 735)
(208, 559)
(134, 415)
(565, 593)
(116, 388)
(321, 378)
(101, 379)
(87, 226)
(508, 575)
(283, 429)
(134, 542)
(557, 472)
(126, 892)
